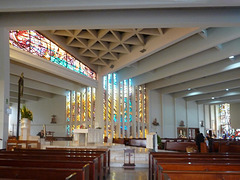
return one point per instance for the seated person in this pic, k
(41, 134)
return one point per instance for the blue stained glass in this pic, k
(68, 129)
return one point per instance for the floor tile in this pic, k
(128, 174)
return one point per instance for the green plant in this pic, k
(26, 113)
(159, 141)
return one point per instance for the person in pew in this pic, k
(41, 134)
(199, 139)
(210, 141)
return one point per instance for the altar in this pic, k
(85, 136)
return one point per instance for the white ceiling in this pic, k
(190, 62)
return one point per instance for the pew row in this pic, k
(40, 173)
(92, 160)
(106, 153)
(192, 162)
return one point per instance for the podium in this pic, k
(152, 141)
(129, 163)
(80, 136)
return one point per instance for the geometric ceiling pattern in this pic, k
(102, 46)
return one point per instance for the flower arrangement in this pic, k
(26, 113)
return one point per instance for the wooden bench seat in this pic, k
(39, 173)
(178, 146)
(91, 160)
(46, 164)
(100, 156)
(193, 164)
(201, 175)
(153, 155)
(105, 151)
(164, 162)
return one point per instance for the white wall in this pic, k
(192, 114)
(42, 111)
(207, 117)
(171, 111)
(201, 117)
(154, 111)
(168, 116)
(235, 118)
(180, 111)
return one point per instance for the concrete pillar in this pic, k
(4, 85)
(99, 103)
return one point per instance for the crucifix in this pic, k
(20, 94)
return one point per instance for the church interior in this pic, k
(133, 84)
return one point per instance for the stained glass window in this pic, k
(84, 105)
(115, 97)
(68, 106)
(78, 112)
(35, 43)
(118, 108)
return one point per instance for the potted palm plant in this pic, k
(26, 113)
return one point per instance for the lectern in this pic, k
(129, 163)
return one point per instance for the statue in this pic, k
(20, 94)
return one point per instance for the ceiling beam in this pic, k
(234, 98)
(194, 51)
(24, 97)
(128, 18)
(46, 5)
(15, 100)
(30, 91)
(208, 70)
(214, 95)
(38, 85)
(231, 84)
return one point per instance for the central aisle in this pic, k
(128, 174)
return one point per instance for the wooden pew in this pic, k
(105, 151)
(229, 147)
(27, 144)
(195, 156)
(81, 159)
(100, 156)
(72, 176)
(178, 146)
(39, 173)
(197, 174)
(46, 164)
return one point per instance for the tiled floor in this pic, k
(119, 173)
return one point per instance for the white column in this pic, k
(112, 108)
(161, 120)
(143, 112)
(118, 111)
(137, 116)
(148, 121)
(175, 119)
(134, 124)
(186, 106)
(4, 85)
(92, 109)
(99, 104)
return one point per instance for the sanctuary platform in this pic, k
(116, 151)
